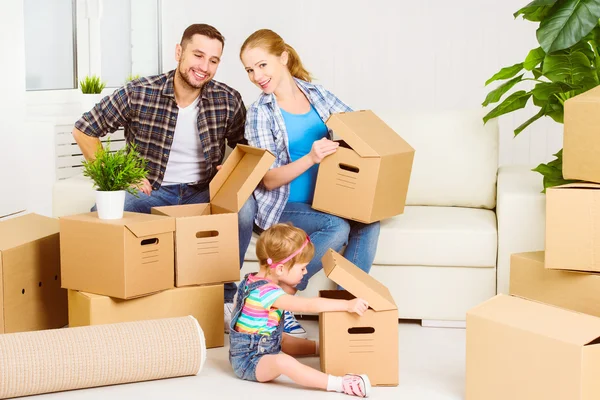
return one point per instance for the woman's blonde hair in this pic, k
(274, 44)
(279, 242)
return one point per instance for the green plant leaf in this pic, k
(534, 57)
(530, 121)
(569, 67)
(555, 111)
(542, 91)
(123, 169)
(496, 94)
(506, 73)
(536, 10)
(552, 172)
(567, 24)
(513, 102)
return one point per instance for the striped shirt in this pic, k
(147, 109)
(258, 314)
(265, 128)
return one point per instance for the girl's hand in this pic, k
(358, 306)
(321, 149)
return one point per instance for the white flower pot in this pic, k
(89, 100)
(110, 205)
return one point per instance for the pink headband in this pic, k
(294, 254)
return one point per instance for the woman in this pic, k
(288, 119)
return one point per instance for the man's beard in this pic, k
(187, 80)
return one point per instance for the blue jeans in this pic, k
(328, 231)
(173, 195)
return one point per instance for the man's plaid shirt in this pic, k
(147, 109)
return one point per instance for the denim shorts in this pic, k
(246, 350)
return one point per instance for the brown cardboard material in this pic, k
(572, 227)
(524, 350)
(572, 290)
(122, 258)
(581, 139)
(206, 235)
(367, 178)
(205, 303)
(366, 344)
(31, 297)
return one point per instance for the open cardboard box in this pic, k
(520, 349)
(581, 139)
(367, 178)
(350, 343)
(206, 235)
(572, 290)
(122, 258)
(31, 297)
(205, 303)
(572, 221)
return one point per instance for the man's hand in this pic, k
(321, 149)
(145, 187)
(219, 167)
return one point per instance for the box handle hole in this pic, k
(23, 291)
(40, 284)
(361, 330)
(205, 234)
(147, 242)
(349, 168)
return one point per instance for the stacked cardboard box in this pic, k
(543, 341)
(170, 263)
(30, 294)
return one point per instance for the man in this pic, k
(180, 122)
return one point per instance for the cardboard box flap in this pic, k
(27, 228)
(367, 134)
(577, 185)
(182, 211)
(149, 228)
(243, 170)
(541, 319)
(357, 282)
(587, 96)
(537, 256)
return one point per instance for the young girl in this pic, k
(259, 350)
(288, 119)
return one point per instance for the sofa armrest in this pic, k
(74, 195)
(521, 213)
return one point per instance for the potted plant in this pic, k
(91, 88)
(566, 63)
(114, 174)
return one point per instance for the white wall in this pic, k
(430, 54)
(14, 149)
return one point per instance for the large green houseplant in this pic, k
(566, 63)
(113, 174)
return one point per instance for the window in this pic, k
(49, 44)
(66, 40)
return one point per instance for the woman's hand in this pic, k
(358, 306)
(321, 149)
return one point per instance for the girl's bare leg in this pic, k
(271, 366)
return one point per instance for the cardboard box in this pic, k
(573, 290)
(367, 178)
(581, 139)
(122, 258)
(519, 349)
(350, 343)
(206, 235)
(572, 222)
(30, 294)
(205, 303)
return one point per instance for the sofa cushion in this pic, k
(456, 156)
(434, 236)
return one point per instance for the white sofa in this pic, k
(450, 249)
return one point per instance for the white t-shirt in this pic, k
(186, 158)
